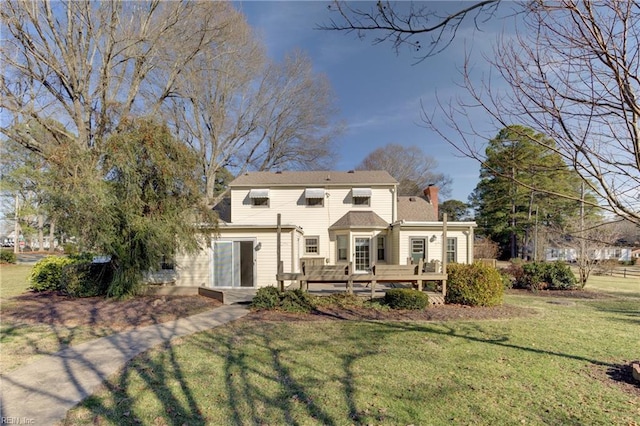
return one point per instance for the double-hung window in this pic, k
(381, 247)
(312, 245)
(259, 197)
(452, 250)
(314, 197)
(361, 196)
(341, 248)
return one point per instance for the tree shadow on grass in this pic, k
(625, 310)
(82, 367)
(623, 373)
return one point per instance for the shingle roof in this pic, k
(355, 219)
(415, 209)
(325, 178)
(223, 208)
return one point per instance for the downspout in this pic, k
(470, 240)
(393, 204)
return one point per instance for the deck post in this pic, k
(444, 253)
(350, 278)
(280, 264)
(420, 267)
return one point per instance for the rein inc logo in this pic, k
(17, 421)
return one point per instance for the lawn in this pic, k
(629, 286)
(13, 279)
(559, 366)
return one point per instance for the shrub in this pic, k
(515, 273)
(507, 279)
(266, 298)
(474, 285)
(296, 301)
(47, 273)
(70, 248)
(552, 276)
(7, 256)
(86, 279)
(406, 298)
(341, 300)
(533, 277)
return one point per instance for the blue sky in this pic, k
(378, 91)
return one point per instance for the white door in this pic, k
(362, 254)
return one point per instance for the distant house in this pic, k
(620, 254)
(326, 217)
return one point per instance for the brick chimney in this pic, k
(431, 194)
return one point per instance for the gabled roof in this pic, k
(416, 209)
(324, 178)
(359, 219)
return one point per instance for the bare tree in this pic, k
(410, 166)
(571, 73)
(404, 23)
(93, 66)
(87, 64)
(587, 244)
(241, 111)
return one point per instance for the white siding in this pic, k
(434, 248)
(314, 220)
(193, 270)
(196, 270)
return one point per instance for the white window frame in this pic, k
(307, 246)
(259, 197)
(312, 197)
(344, 238)
(454, 251)
(382, 238)
(361, 197)
(314, 202)
(260, 202)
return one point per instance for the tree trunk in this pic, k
(52, 228)
(40, 232)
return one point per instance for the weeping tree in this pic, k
(152, 197)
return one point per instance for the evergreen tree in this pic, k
(508, 200)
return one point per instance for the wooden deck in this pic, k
(416, 275)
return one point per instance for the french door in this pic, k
(362, 254)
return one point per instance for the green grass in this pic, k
(550, 368)
(629, 286)
(14, 280)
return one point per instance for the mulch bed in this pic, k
(53, 308)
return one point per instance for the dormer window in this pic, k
(361, 196)
(259, 197)
(314, 197)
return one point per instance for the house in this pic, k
(620, 254)
(320, 217)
